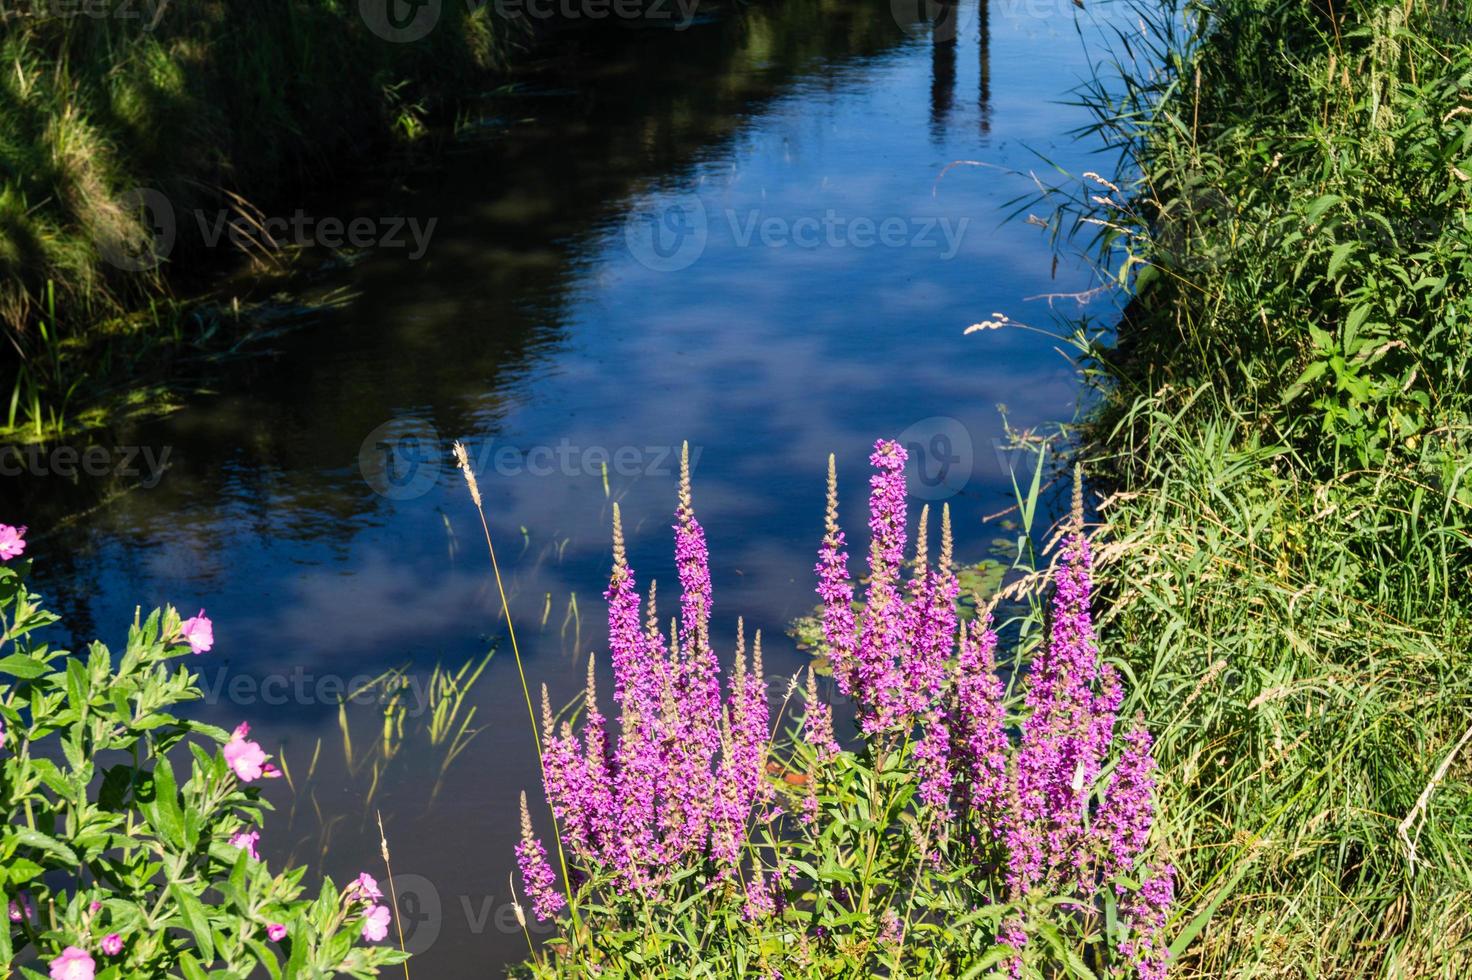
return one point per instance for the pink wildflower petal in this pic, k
(246, 841)
(375, 923)
(12, 541)
(73, 964)
(198, 632)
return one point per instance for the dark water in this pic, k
(735, 235)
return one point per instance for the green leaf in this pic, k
(24, 667)
(41, 842)
(1339, 256)
(195, 920)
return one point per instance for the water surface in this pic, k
(736, 235)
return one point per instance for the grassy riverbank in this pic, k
(1284, 422)
(221, 107)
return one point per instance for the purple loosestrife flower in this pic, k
(1015, 936)
(701, 690)
(1145, 914)
(751, 735)
(930, 620)
(981, 723)
(1124, 819)
(537, 878)
(728, 816)
(759, 901)
(1064, 737)
(932, 753)
(627, 647)
(837, 593)
(880, 689)
(564, 779)
(818, 722)
(602, 820)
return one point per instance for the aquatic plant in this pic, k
(696, 840)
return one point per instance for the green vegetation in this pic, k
(125, 855)
(219, 105)
(1284, 429)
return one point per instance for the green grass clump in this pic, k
(219, 105)
(1283, 425)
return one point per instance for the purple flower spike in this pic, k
(537, 877)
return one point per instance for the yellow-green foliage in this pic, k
(1285, 416)
(218, 98)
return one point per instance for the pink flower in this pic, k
(12, 541)
(21, 908)
(537, 876)
(365, 887)
(246, 758)
(375, 923)
(246, 841)
(73, 964)
(198, 632)
(112, 944)
(94, 907)
(275, 932)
